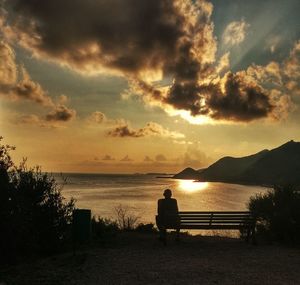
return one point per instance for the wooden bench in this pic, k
(219, 220)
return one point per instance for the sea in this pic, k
(138, 194)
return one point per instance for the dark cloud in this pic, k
(151, 129)
(30, 90)
(129, 35)
(124, 131)
(240, 101)
(61, 114)
(169, 37)
(35, 120)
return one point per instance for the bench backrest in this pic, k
(225, 219)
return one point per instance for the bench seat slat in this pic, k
(211, 227)
(216, 218)
(213, 212)
(215, 215)
(215, 222)
(219, 220)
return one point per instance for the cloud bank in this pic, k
(16, 84)
(146, 41)
(120, 128)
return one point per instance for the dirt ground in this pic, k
(142, 259)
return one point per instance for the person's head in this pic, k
(168, 193)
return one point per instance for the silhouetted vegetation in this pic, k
(126, 220)
(103, 228)
(278, 214)
(34, 218)
(146, 228)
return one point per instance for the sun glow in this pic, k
(191, 185)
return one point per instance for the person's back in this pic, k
(167, 217)
(167, 207)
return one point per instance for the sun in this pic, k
(192, 185)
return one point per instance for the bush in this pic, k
(127, 221)
(103, 228)
(278, 214)
(146, 228)
(34, 218)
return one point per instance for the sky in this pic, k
(136, 86)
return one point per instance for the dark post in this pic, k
(81, 226)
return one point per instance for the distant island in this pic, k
(280, 165)
(160, 174)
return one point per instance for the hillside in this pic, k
(279, 165)
(187, 173)
(230, 168)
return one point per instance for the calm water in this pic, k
(139, 193)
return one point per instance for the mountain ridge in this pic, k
(280, 165)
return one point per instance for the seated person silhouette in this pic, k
(167, 217)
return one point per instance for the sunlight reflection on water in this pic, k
(103, 193)
(190, 186)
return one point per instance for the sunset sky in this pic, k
(124, 86)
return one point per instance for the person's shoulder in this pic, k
(173, 199)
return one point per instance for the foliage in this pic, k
(103, 228)
(34, 218)
(125, 218)
(146, 228)
(278, 213)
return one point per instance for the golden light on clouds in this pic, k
(194, 120)
(176, 82)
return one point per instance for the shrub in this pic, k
(103, 228)
(34, 218)
(126, 220)
(278, 213)
(146, 228)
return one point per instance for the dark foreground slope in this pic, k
(141, 259)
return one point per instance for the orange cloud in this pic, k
(151, 129)
(61, 113)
